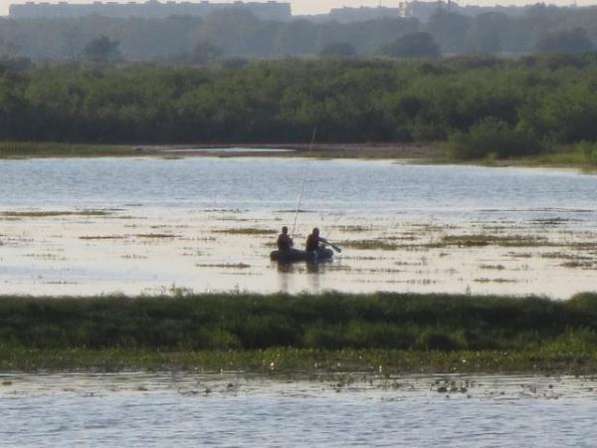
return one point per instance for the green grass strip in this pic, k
(332, 331)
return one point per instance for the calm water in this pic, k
(169, 221)
(163, 410)
(272, 184)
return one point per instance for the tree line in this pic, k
(523, 105)
(230, 34)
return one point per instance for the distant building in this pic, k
(418, 9)
(270, 10)
(421, 10)
(347, 15)
(424, 10)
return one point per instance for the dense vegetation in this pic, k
(234, 33)
(380, 333)
(331, 321)
(481, 105)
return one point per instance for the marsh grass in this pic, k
(495, 280)
(121, 237)
(580, 155)
(565, 256)
(330, 321)
(156, 235)
(225, 265)
(462, 241)
(481, 240)
(497, 267)
(577, 264)
(568, 355)
(374, 244)
(14, 150)
(353, 228)
(103, 237)
(290, 334)
(247, 231)
(53, 214)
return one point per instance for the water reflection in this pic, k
(314, 270)
(288, 271)
(285, 271)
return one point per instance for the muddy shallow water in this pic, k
(141, 409)
(138, 225)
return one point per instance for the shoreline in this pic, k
(396, 151)
(422, 153)
(300, 362)
(286, 362)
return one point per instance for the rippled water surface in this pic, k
(231, 410)
(270, 184)
(208, 223)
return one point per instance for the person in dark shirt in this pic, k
(285, 243)
(313, 241)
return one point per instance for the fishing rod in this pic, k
(301, 194)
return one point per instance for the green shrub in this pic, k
(324, 338)
(494, 138)
(433, 340)
(589, 149)
(584, 303)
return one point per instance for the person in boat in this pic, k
(285, 243)
(313, 241)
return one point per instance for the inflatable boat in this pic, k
(294, 255)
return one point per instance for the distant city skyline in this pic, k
(323, 6)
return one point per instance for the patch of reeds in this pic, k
(494, 240)
(246, 231)
(402, 332)
(330, 321)
(53, 213)
(225, 265)
(10, 150)
(374, 244)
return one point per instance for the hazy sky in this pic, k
(317, 6)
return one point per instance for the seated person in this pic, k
(285, 243)
(313, 241)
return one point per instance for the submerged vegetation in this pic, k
(536, 106)
(255, 332)
(53, 213)
(246, 231)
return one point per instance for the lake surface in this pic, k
(159, 409)
(179, 223)
(268, 184)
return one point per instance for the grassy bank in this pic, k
(573, 156)
(410, 151)
(399, 332)
(20, 150)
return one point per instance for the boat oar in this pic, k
(333, 246)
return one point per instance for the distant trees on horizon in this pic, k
(234, 34)
(102, 49)
(412, 45)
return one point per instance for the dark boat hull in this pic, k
(294, 256)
